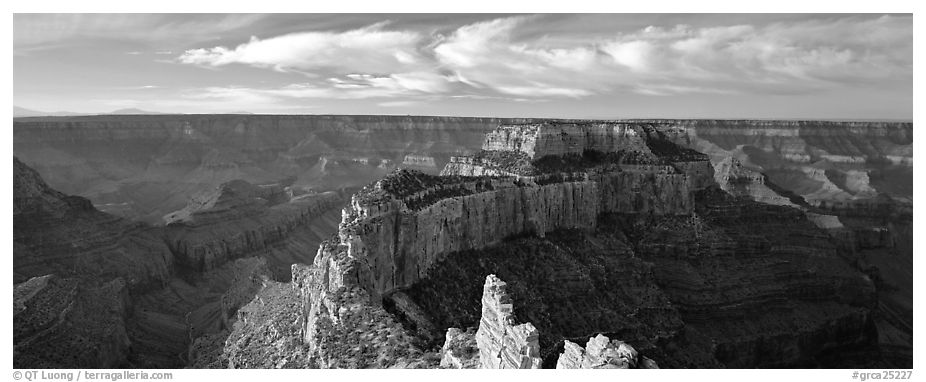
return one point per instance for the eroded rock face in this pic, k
(240, 219)
(509, 149)
(402, 237)
(821, 161)
(532, 179)
(739, 180)
(602, 353)
(65, 235)
(460, 350)
(554, 138)
(343, 327)
(502, 343)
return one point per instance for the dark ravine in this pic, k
(697, 286)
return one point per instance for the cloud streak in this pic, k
(366, 50)
(489, 59)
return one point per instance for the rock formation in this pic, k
(502, 343)
(239, 219)
(818, 160)
(406, 222)
(343, 327)
(738, 180)
(460, 350)
(602, 353)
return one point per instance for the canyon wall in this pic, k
(400, 238)
(820, 161)
(118, 282)
(214, 236)
(562, 138)
(65, 235)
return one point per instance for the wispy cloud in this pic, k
(371, 49)
(440, 62)
(780, 58)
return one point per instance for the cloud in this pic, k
(366, 50)
(493, 59)
(487, 55)
(398, 103)
(784, 57)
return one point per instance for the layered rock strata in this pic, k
(502, 343)
(241, 219)
(510, 149)
(65, 235)
(401, 232)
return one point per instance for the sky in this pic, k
(788, 66)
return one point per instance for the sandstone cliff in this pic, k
(408, 221)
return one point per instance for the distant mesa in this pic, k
(133, 111)
(21, 112)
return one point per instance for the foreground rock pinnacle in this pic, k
(502, 343)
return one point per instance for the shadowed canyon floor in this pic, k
(786, 244)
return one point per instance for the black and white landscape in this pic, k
(463, 191)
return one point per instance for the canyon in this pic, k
(620, 243)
